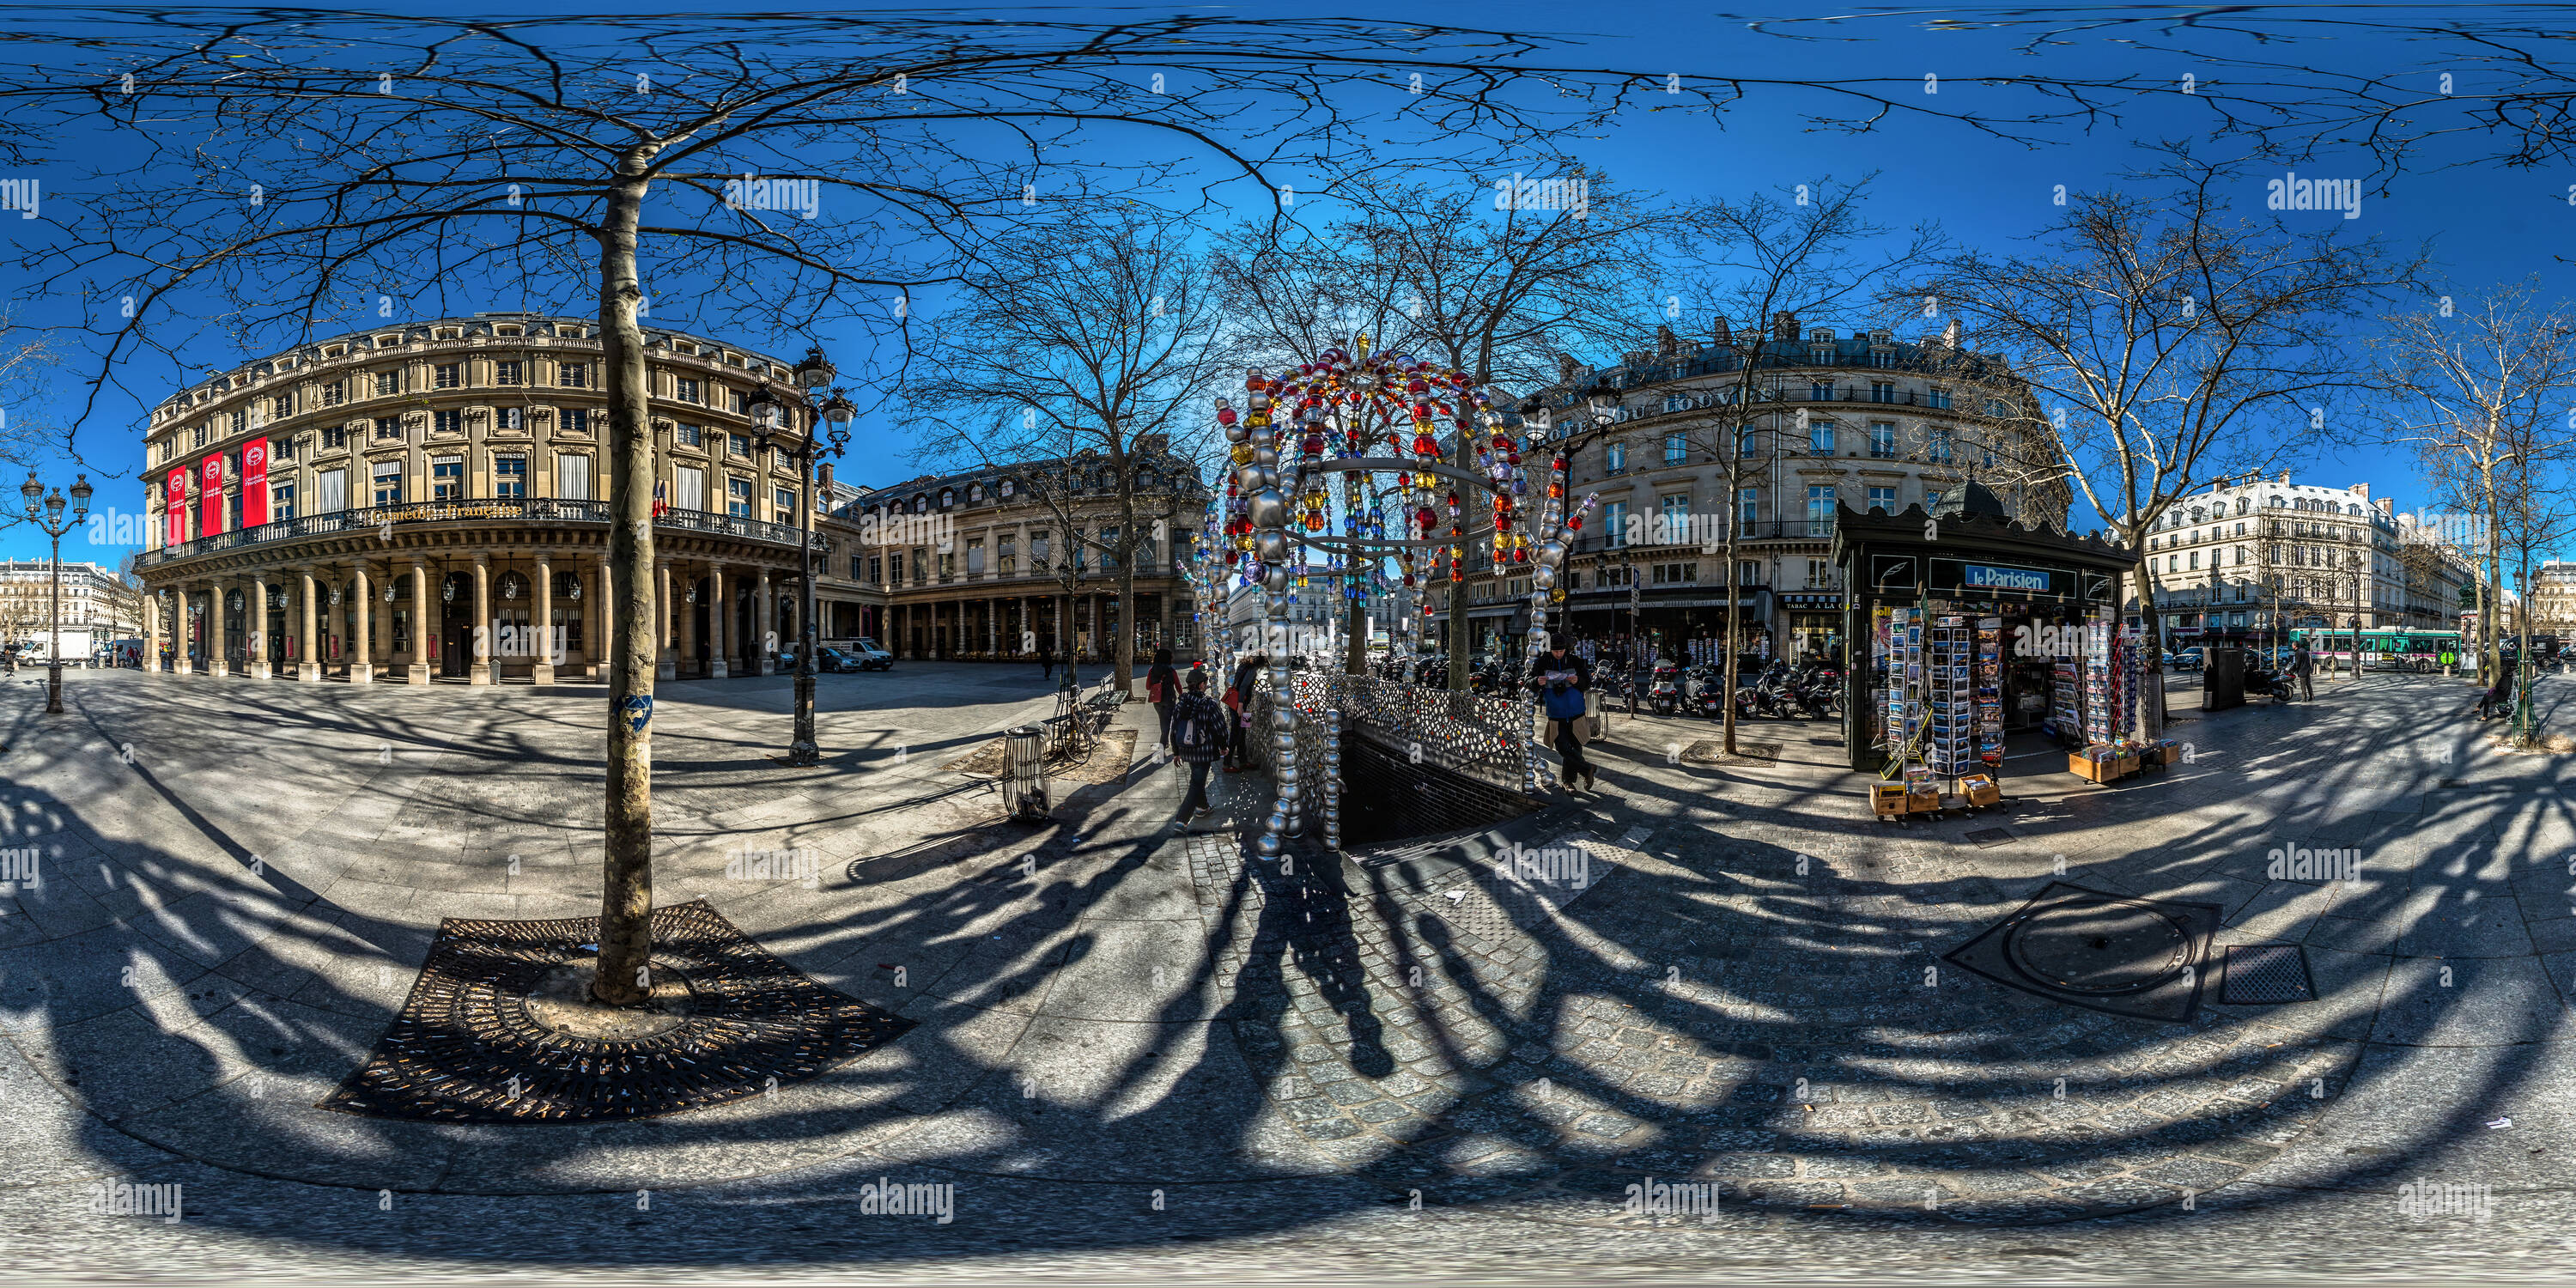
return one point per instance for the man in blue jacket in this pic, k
(1563, 678)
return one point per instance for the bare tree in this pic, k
(2174, 344)
(1077, 355)
(1769, 259)
(2480, 378)
(293, 172)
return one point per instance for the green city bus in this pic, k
(2389, 648)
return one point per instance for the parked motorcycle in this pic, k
(1665, 694)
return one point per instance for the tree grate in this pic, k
(466, 1049)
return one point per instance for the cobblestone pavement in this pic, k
(1139, 1051)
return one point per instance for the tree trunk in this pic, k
(2492, 643)
(1355, 653)
(626, 897)
(1123, 656)
(1726, 582)
(2151, 670)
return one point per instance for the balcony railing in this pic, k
(504, 510)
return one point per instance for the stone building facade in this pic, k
(1859, 419)
(2258, 559)
(428, 501)
(978, 565)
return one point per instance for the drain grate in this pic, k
(2104, 952)
(2266, 975)
(1988, 836)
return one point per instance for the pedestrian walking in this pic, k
(1046, 660)
(1563, 678)
(1238, 700)
(1163, 689)
(1204, 730)
(2304, 665)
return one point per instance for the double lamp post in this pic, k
(46, 512)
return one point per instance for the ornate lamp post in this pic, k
(813, 374)
(46, 512)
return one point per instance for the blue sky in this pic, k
(2484, 223)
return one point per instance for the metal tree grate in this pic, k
(467, 1049)
(2266, 975)
(1985, 836)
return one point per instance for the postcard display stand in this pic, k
(1943, 705)
(2113, 671)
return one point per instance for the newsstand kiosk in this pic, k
(1966, 626)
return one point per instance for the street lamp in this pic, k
(46, 512)
(765, 409)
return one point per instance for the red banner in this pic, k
(254, 482)
(210, 497)
(176, 507)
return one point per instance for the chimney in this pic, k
(1666, 343)
(2285, 476)
(826, 493)
(2388, 507)
(1566, 369)
(1784, 327)
(1950, 335)
(1725, 334)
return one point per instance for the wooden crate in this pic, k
(1981, 790)
(1923, 802)
(2101, 771)
(1887, 799)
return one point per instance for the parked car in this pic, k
(866, 656)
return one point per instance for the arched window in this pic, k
(974, 493)
(921, 505)
(947, 497)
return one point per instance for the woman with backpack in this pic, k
(1163, 689)
(1204, 734)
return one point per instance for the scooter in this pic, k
(1665, 694)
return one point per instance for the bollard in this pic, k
(1024, 772)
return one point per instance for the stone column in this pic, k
(992, 628)
(423, 626)
(478, 661)
(151, 632)
(255, 627)
(542, 670)
(308, 650)
(687, 607)
(361, 650)
(180, 661)
(666, 662)
(719, 634)
(218, 651)
(764, 622)
(603, 593)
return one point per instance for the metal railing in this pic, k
(494, 509)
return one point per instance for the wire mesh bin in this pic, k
(1024, 777)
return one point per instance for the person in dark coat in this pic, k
(1163, 689)
(2498, 699)
(1238, 699)
(1563, 678)
(1195, 712)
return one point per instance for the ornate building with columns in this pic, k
(977, 565)
(429, 501)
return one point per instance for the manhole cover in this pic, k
(2266, 975)
(2101, 948)
(2098, 950)
(1988, 836)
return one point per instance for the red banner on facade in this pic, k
(210, 497)
(175, 507)
(254, 482)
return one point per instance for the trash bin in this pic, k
(1024, 772)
